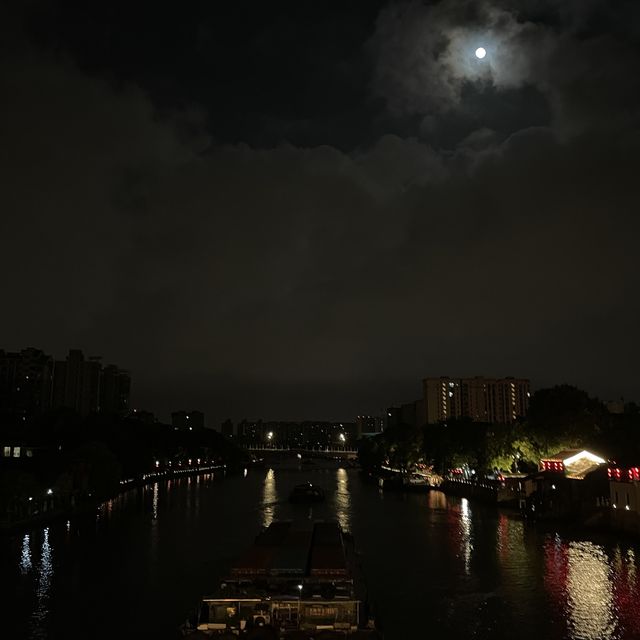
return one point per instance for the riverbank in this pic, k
(83, 505)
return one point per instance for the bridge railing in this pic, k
(258, 447)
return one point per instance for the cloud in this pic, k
(276, 281)
(425, 54)
(577, 56)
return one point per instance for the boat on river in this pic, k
(307, 492)
(297, 581)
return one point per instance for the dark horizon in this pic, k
(303, 212)
(390, 392)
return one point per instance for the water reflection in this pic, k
(269, 498)
(437, 500)
(25, 555)
(45, 573)
(627, 594)
(195, 487)
(343, 499)
(591, 612)
(156, 490)
(466, 533)
(631, 564)
(579, 577)
(485, 569)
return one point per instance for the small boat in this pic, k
(306, 492)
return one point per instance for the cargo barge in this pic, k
(296, 581)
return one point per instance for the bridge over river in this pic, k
(320, 452)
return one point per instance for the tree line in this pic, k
(560, 417)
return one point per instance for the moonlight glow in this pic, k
(481, 52)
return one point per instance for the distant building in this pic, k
(115, 390)
(250, 431)
(306, 434)
(392, 417)
(188, 419)
(26, 379)
(493, 400)
(412, 413)
(624, 485)
(32, 383)
(616, 407)
(227, 429)
(82, 384)
(368, 424)
(409, 414)
(141, 415)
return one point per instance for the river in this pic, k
(437, 566)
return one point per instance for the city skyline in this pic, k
(86, 386)
(302, 213)
(33, 383)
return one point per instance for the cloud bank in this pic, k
(299, 282)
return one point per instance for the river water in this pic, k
(436, 566)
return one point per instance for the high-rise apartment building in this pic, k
(368, 424)
(115, 390)
(32, 383)
(26, 379)
(77, 383)
(493, 400)
(86, 387)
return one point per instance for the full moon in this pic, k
(481, 52)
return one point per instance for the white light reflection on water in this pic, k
(196, 502)
(466, 533)
(45, 573)
(343, 499)
(156, 489)
(25, 556)
(269, 498)
(591, 611)
(631, 564)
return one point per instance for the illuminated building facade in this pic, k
(492, 400)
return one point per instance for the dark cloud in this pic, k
(294, 281)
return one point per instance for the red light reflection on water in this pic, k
(626, 592)
(594, 592)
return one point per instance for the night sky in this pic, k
(300, 212)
